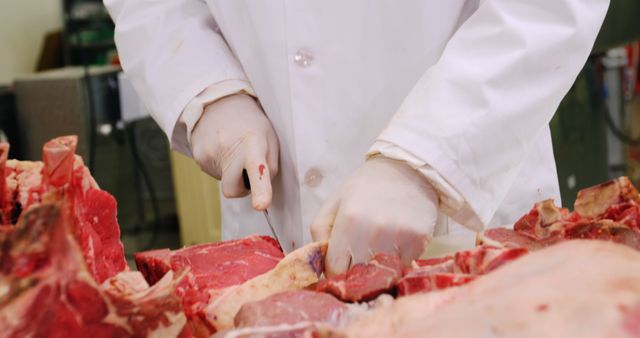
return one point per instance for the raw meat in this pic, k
(365, 281)
(295, 271)
(59, 159)
(24, 186)
(63, 179)
(594, 201)
(292, 307)
(603, 229)
(96, 227)
(315, 313)
(508, 238)
(46, 289)
(5, 207)
(418, 281)
(572, 289)
(456, 270)
(544, 220)
(608, 211)
(212, 267)
(297, 330)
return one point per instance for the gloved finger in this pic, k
(338, 258)
(363, 247)
(415, 236)
(356, 227)
(362, 253)
(414, 249)
(273, 153)
(232, 183)
(323, 222)
(367, 247)
(259, 173)
(207, 161)
(405, 243)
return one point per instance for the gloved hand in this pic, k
(233, 134)
(385, 206)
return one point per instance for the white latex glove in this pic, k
(233, 134)
(385, 206)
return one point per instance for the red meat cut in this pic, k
(63, 179)
(609, 211)
(508, 238)
(579, 288)
(290, 314)
(593, 202)
(458, 269)
(214, 265)
(298, 270)
(211, 266)
(418, 281)
(48, 290)
(292, 307)
(365, 281)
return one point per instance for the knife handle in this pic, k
(245, 179)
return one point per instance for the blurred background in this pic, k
(59, 75)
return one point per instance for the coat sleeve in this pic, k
(474, 115)
(172, 52)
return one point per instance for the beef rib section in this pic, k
(461, 268)
(365, 281)
(47, 289)
(292, 307)
(211, 268)
(609, 211)
(213, 265)
(297, 270)
(578, 288)
(63, 179)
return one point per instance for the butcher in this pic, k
(375, 125)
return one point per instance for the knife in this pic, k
(265, 212)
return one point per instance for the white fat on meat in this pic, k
(577, 288)
(296, 270)
(284, 330)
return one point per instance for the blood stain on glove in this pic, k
(261, 169)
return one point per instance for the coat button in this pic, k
(303, 58)
(313, 178)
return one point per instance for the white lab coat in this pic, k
(464, 88)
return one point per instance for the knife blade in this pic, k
(265, 212)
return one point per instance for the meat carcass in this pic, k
(573, 289)
(594, 201)
(458, 269)
(291, 307)
(365, 281)
(295, 271)
(47, 290)
(509, 238)
(608, 211)
(214, 265)
(63, 179)
(297, 314)
(211, 268)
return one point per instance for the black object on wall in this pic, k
(8, 120)
(88, 33)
